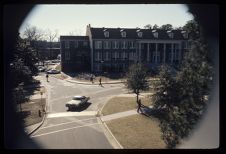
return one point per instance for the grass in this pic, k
(30, 111)
(120, 104)
(137, 132)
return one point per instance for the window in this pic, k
(124, 45)
(139, 34)
(155, 35)
(76, 44)
(131, 44)
(156, 55)
(106, 45)
(132, 55)
(67, 55)
(97, 56)
(123, 34)
(115, 44)
(124, 55)
(171, 35)
(106, 56)
(115, 55)
(106, 34)
(98, 45)
(67, 44)
(85, 43)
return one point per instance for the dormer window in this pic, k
(185, 34)
(171, 35)
(106, 34)
(123, 34)
(155, 34)
(139, 34)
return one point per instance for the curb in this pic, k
(87, 83)
(43, 119)
(109, 131)
(99, 112)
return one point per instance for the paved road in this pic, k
(79, 129)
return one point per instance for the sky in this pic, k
(73, 19)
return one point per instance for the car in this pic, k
(76, 102)
(41, 69)
(53, 71)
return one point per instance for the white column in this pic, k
(164, 54)
(148, 54)
(172, 53)
(156, 48)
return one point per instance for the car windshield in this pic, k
(78, 97)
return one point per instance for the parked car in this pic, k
(53, 71)
(41, 69)
(76, 102)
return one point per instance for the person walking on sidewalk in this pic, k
(100, 82)
(139, 106)
(47, 76)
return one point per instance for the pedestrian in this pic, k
(91, 79)
(47, 76)
(100, 82)
(39, 113)
(139, 106)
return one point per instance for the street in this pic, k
(79, 129)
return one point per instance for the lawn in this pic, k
(30, 111)
(120, 104)
(137, 132)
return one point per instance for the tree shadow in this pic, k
(81, 107)
(152, 112)
(24, 114)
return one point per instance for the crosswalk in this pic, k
(71, 114)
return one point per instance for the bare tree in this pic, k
(51, 36)
(32, 33)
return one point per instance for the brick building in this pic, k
(114, 49)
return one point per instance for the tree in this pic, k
(51, 35)
(182, 99)
(193, 29)
(32, 33)
(166, 27)
(155, 27)
(136, 79)
(148, 26)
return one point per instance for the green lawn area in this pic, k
(120, 104)
(137, 132)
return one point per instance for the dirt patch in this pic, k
(30, 111)
(137, 132)
(120, 104)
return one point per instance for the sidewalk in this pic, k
(123, 114)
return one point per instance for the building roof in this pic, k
(75, 37)
(131, 33)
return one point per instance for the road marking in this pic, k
(71, 114)
(64, 130)
(66, 123)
